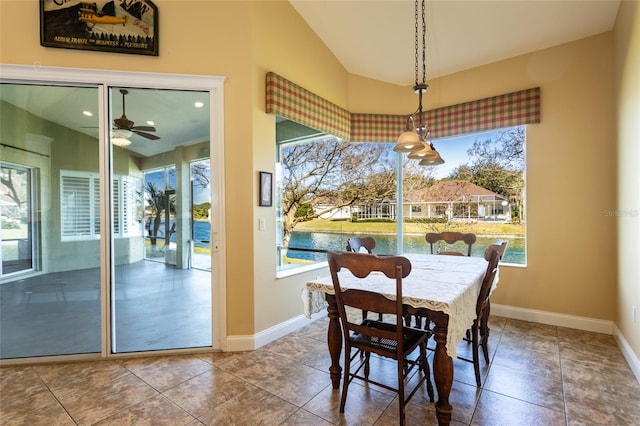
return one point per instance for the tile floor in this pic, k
(538, 375)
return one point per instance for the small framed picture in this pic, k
(266, 193)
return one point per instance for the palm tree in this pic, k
(157, 200)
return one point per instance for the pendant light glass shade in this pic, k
(432, 159)
(408, 141)
(426, 151)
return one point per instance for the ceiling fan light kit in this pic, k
(121, 142)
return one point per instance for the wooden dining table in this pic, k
(442, 288)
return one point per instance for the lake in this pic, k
(201, 233)
(386, 244)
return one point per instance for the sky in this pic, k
(454, 151)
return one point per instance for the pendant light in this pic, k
(415, 138)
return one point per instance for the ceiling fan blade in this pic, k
(146, 135)
(144, 128)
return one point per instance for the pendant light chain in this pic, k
(415, 138)
(416, 40)
(424, 45)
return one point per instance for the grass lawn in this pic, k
(478, 228)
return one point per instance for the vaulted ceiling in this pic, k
(375, 38)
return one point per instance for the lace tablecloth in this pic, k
(442, 283)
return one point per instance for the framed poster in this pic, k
(123, 26)
(266, 196)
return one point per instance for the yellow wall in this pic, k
(571, 154)
(284, 44)
(571, 244)
(627, 40)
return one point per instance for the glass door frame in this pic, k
(32, 223)
(104, 79)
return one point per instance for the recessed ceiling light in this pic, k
(88, 113)
(151, 123)
(199, 104)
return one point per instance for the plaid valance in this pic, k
(512, 109)
(302, 106)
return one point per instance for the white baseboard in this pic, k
(252, 342)
(627, 352)
(552, 318)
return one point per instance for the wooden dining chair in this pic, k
(499, 245)
(385, 339)
(355, 244)
(479, 328)
(435, 238)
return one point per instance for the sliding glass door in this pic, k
(96, 253)
(50, 283)
(158, 300)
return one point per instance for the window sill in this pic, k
(284, 273)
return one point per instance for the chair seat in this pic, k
(412, 338)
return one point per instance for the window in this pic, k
(329, 190)
(80, 205)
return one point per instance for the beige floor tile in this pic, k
(315, 330)
(80, 375)
(304, 418)
(608, 355)
(530, 328)
(579, 336)
(302, 349)
(618, 379)
(540, 388)
(250, 408)
(499, 410)
(594, 404)
(22, 391)
(285, 378)
(525, 357)
(97, 400)
(203, 393)
(50, 415)
(165, 372)
(364, 405)
(155, 411)
(218, 358)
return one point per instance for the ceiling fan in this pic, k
(124, 124)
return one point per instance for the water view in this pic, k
(386, 244)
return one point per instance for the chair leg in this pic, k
(367, 366)
(346, 379)
(426, 371)
(474, 346)
(401, 401)
(484, 336)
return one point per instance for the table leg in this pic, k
(334, 339)
(442, 367)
